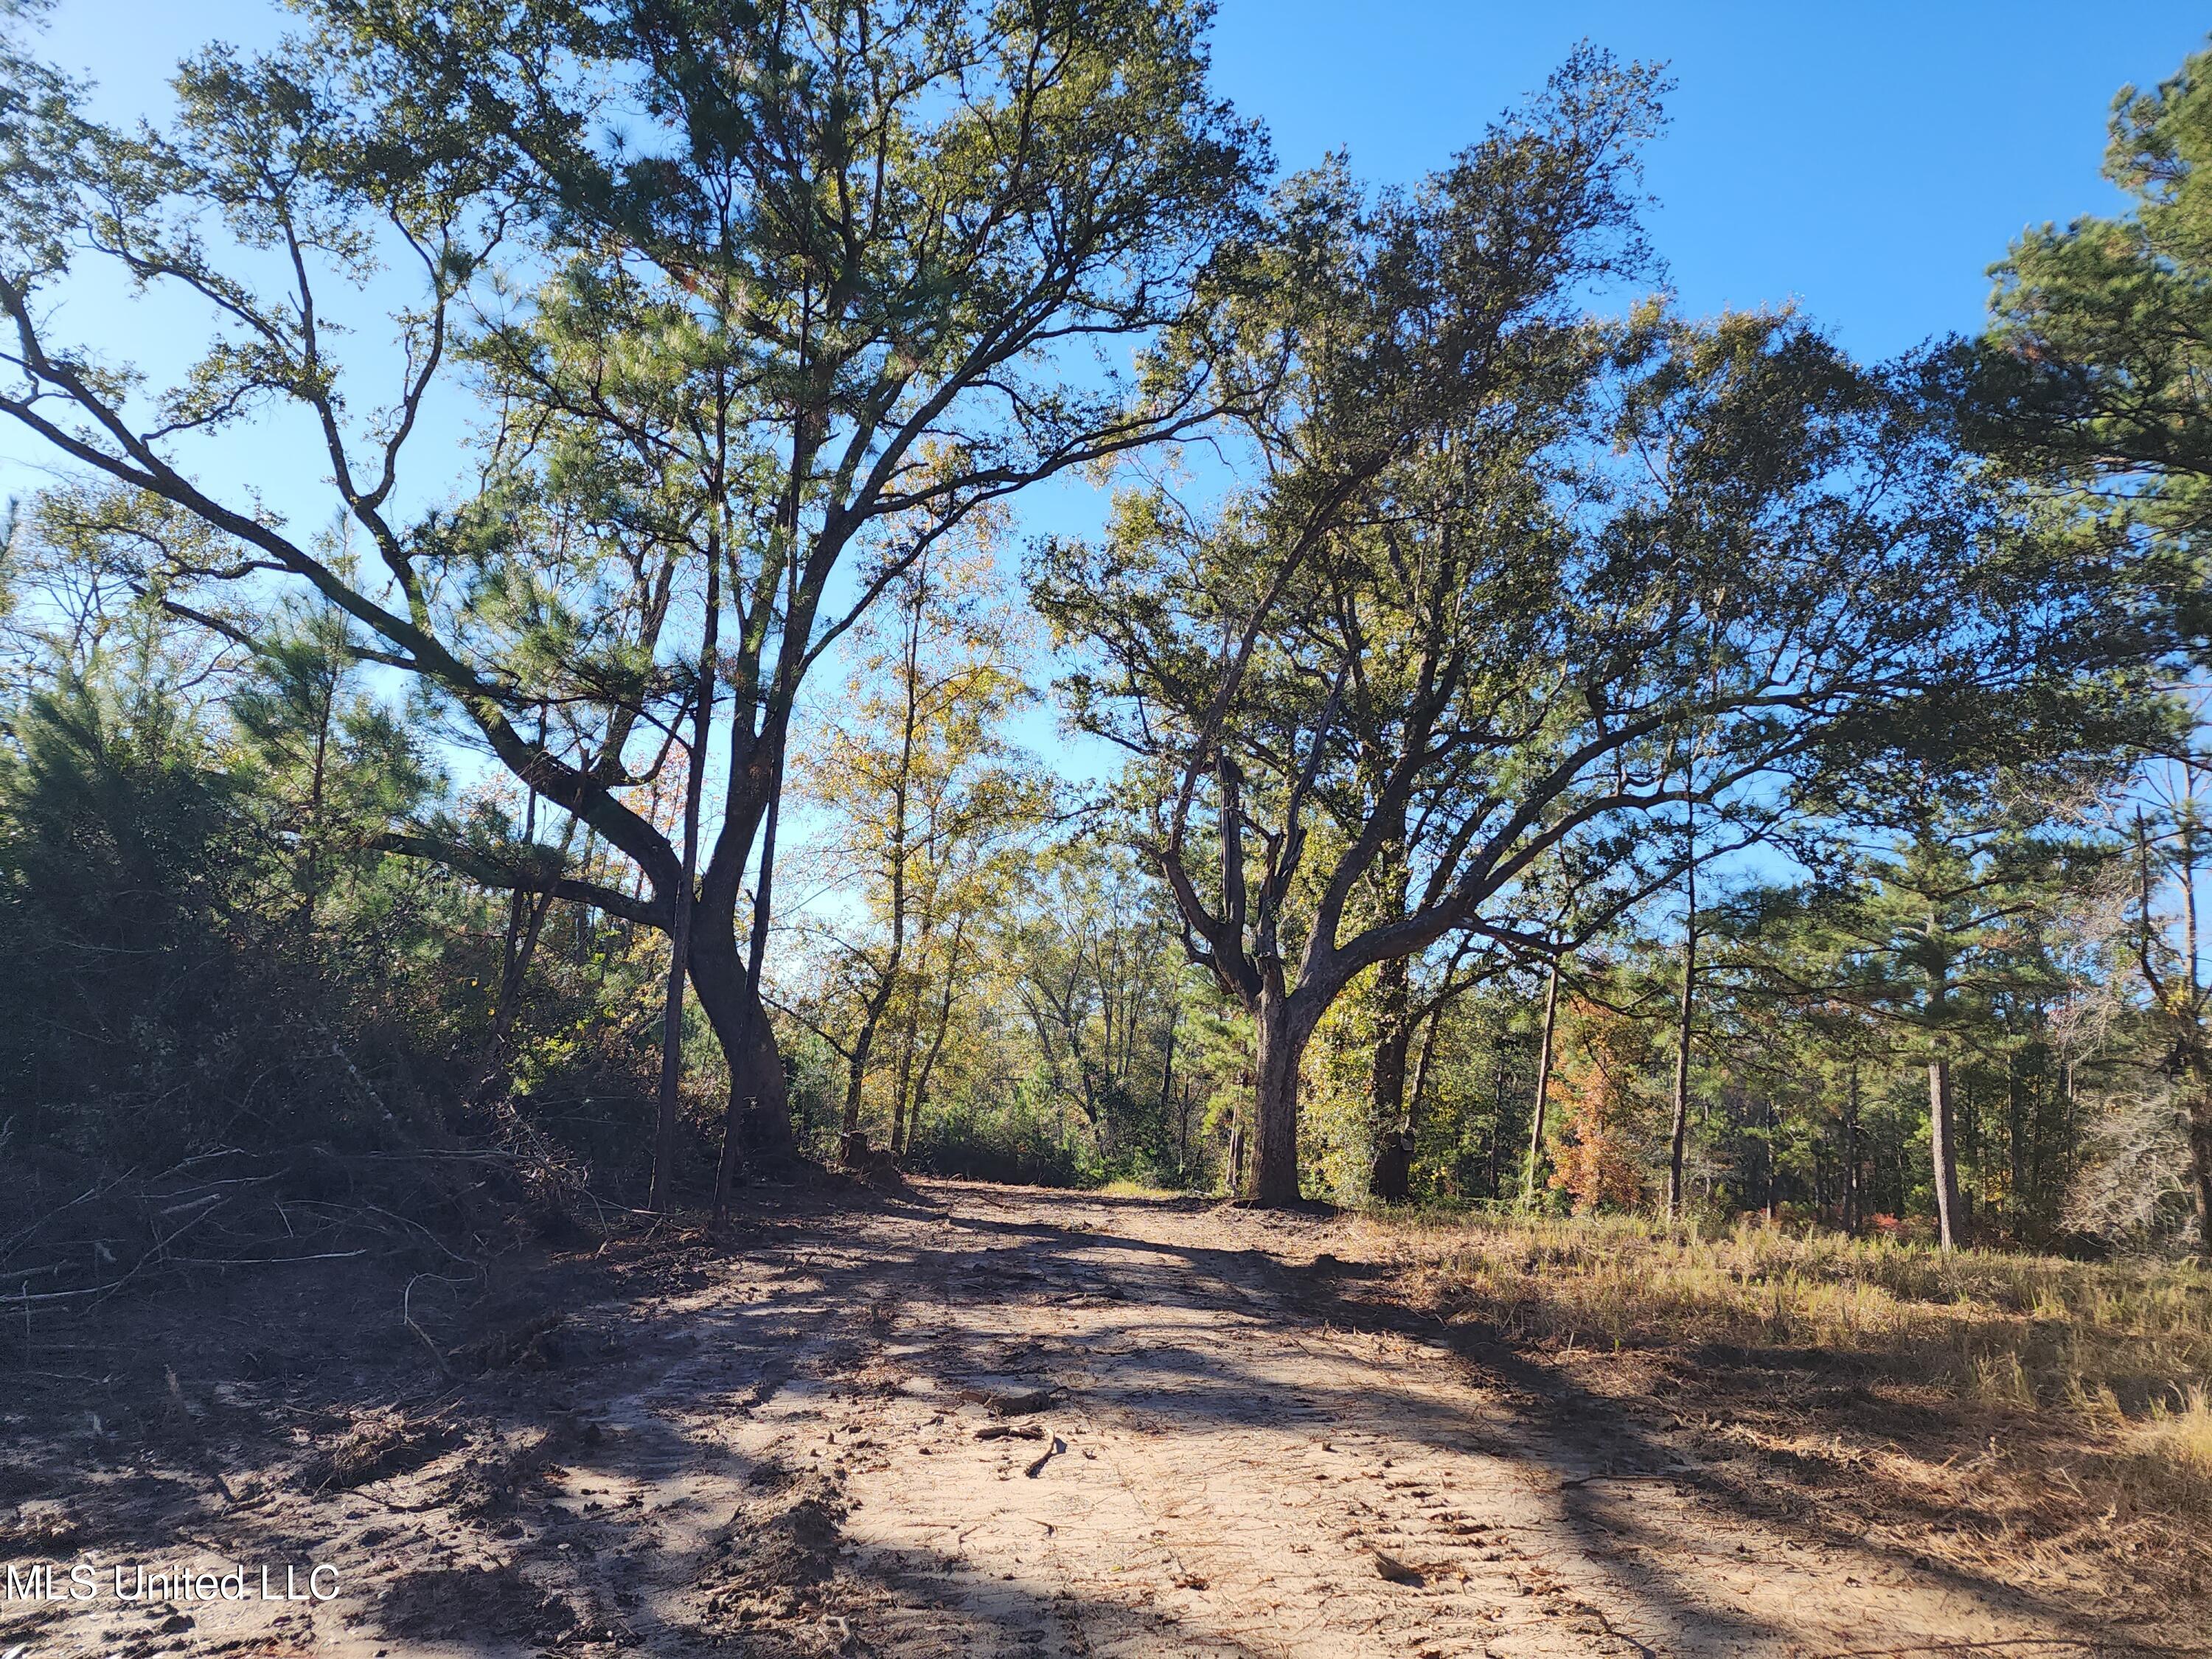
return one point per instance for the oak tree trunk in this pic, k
(1282, 1027)
(760, 1107)
(1390, 1177)
(856, 1063)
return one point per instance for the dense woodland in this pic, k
(558, 670)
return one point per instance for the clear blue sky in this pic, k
(1868, 161)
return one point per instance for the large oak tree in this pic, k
(1507, 590)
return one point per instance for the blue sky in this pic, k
(1868, 161)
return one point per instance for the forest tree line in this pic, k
(561, 667)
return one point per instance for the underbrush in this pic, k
(76, 1235)
(1021, 1144)
(1014, 1146)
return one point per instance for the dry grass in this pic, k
(2035, 1418)
(1123, 1187)
(2183, 1434)
(2117, 1342)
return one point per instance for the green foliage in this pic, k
(123, 852)
(203, 947)
(1012, 1142)
(2096, 360)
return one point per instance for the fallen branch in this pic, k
(407, 1317)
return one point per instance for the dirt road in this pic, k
(1004, 1422)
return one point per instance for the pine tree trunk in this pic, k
(1535, 1169)
(672, 1054)
(1853, 1205)
(1942, 1140)
(1679, 1138)
(1773, 1165)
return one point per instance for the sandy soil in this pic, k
(982, 1422)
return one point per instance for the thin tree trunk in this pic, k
(1497, 1134)
(1943, 1138)
(856, 1068)
(525, 914)
(313, 838)
(516, 970)
(937, 1040)
(2192, 1011)
(582, 946)
(1773, 1169)
(1167, 1065)
(1420, 1095)
(2015, 1133)
(1853, 1217)
(671, 1049)
(908, 1039)
(679, 938)
(1678, 1140)
(1535, 1168)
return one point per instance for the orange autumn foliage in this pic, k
(1593, 1100)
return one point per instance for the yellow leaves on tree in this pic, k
(1593, 1102)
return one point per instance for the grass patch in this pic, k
(2183, 1433)
(1124, 1188)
